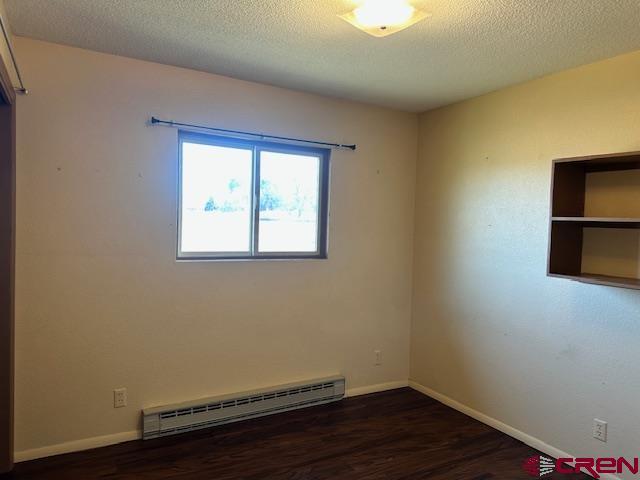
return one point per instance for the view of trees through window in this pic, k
(289, 188)
(217, 194)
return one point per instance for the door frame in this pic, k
(7, 264)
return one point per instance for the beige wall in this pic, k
(490, 330)
(101, 302)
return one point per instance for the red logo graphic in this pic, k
(539, 466)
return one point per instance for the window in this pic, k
(245, 199)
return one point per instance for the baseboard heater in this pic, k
(208, 412)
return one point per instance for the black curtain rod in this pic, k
(171, 123)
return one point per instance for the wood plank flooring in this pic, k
(399, 435)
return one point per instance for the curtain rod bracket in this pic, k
(262, 136)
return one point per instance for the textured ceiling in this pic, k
(468, 47)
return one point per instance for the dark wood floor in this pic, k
(400, 434)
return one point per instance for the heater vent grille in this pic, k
(172, 419)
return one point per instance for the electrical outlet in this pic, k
(378, 355)
(119, 398)
(600, 430)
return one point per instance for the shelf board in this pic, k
(601, 222)
(597, 279)
(604, 163)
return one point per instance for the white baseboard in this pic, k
(76, 446)
(106, 440)
(498, 425)
(380, 387)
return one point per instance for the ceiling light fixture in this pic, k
(384, 17)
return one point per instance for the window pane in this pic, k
(216, 198)
(289, 192)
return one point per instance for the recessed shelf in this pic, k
(601, 222)
(595, 218)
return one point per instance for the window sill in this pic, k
(249, 259)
